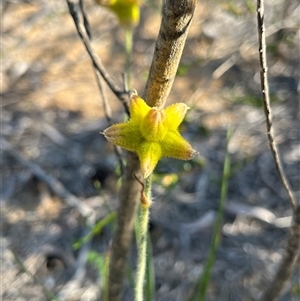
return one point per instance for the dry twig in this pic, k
(85, 19)
(291, 252)
(288, 262)
(121, 94)
(98, 75)
(266, 99)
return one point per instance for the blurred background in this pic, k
(52, 113)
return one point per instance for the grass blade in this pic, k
(200, 290)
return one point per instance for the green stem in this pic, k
(142, 243)
(128, 51)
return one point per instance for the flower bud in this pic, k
(153, 125)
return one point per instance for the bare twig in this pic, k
(121, 94)
(176, 20)
(266, 99)
(288, 262)
(88, 37)
(85, 19)
(106, 106)
(291, 252)
(56, 186)
(177, 15)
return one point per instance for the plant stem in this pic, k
(266, 100)
(142, 243)
(150, 274)
(173, 28)
(128, 51)
(176, 19)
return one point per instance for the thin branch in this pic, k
(291, 252)
(121, 94)
(106, 107)
(85, 19)
(289, 261)
(176, 20)
(56, 186)
(266, 99)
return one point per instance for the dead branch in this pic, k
(288, 262)
(266, 99)
(291, 252)
(121, 94)
(85, 19)
(106, 106)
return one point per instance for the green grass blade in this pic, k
(96, 229)
(200, 290)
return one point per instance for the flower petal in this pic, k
(175, 146)
(138, 108)
(149, 154)
(153, 126)
(126, 135)
(175, 114)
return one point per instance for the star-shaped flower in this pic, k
(152, 133)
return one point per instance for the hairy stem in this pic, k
(142, 241)
(122, 239)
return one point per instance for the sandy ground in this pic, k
(52, 113)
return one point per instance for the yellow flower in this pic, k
(152, 133)
(127, 11)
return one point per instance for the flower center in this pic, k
(153, 126)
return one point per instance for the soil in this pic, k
(52, 113)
